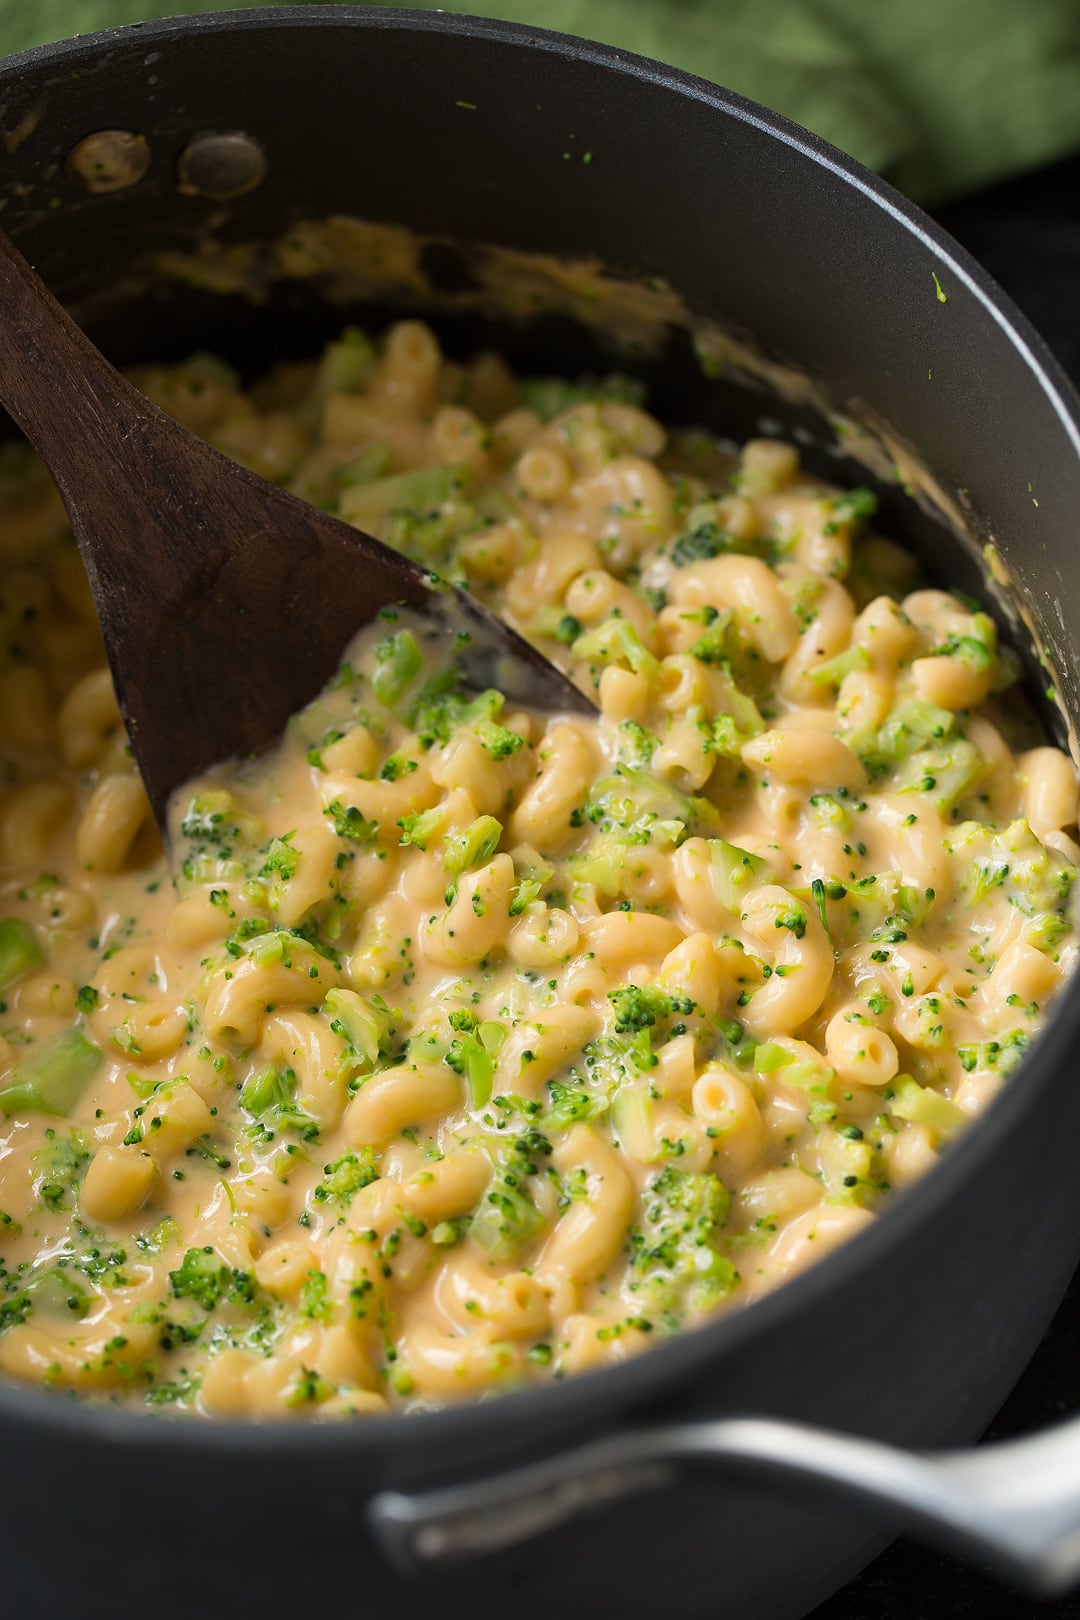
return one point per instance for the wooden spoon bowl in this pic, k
(225, 602)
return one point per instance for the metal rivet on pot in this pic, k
(220, 164)
(110, 159)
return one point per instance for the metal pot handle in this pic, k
(1014, 1505)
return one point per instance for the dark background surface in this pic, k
(1027, 234)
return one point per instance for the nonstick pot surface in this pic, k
(916, 1331)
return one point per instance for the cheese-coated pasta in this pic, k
(477, 1046)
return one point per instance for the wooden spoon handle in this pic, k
(75, 409)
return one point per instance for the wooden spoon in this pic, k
(225, 602)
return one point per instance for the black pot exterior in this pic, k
(916, 1331)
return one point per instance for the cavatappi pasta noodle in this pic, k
(475, 1046)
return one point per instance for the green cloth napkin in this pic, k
(941, 96)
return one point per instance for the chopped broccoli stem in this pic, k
(833, 670)
(370, 464)
(735, 870)
(922, 1106)
(468, 1056)
(472, 847)
(53, 1078)
(946, 774)
(19, 950)
(346, 365)
(269, 1087)
(397, 664)
(369, 1025)
(423, 490)
(505, 1220)
(807, 1074)
(911, 726)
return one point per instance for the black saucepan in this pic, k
(914, 1333)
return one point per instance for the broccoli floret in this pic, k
(614, 1059)
(396, 765)
(718, 644)
(616, 642)
(426, 498)
(345, 1177)
(499, 741)
(570, 1106)
(506, 1219)
(945, 774)
(204, 1277)
(14, 1311)
(314, 1302)
(550, 396)
(280, 860)
(912, 726)
(793, 919)
(735, 870)
(269, 1096)
(308, 1388)
(174, 1391)
(640, 806)
(632, 807)
(978, 650)
(1034, 879)
(636, 745)
(351, 823)
(853, 506)
(372, 463)
(675, 1261)
(734, 726)
(924, 1106)
(421, 827)
(699, 544)
(442, 712)
(209, 819)
(59, 1165)
(641, 1006)
(428, 535)
(442, 708)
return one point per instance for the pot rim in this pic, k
(665, 1366)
